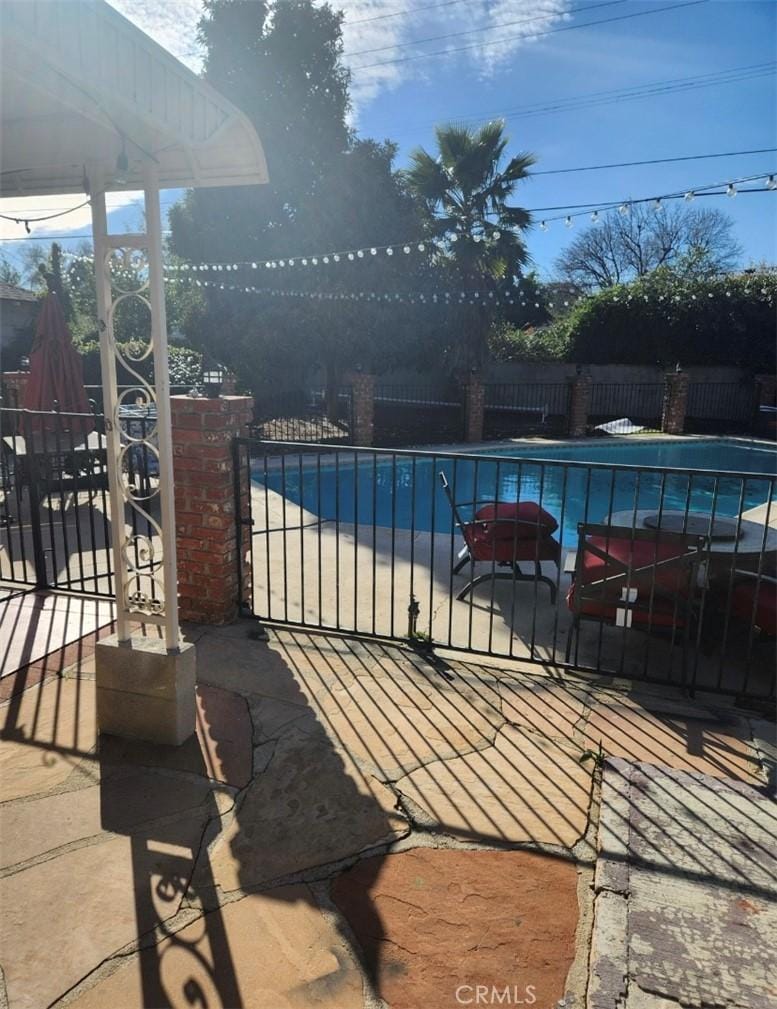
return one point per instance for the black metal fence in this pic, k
(512, 409)
(652, 574)
(421, 414)
(625, 407)
(302, 415)
(55, 509)
(721, 408)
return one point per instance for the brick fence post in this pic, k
(474, 407)
(675, 402)
(579, 405)
(363, 407)
(206, 529)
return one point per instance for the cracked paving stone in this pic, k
(221, 749)
(246, 667)
(274, 950)
(543, 705)
(524, 788)
(627, 729)
(390, 715)
(429, 921)
(127, 801)
(64, 916)
(311, 805)
(47, 731)
(688, 868)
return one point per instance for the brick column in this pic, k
(14, 385)
(474, 407)
(675, 402)
(206, 531)
(363, 407)
(579, 405)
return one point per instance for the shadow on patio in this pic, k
(350, 821)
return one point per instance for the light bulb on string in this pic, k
(373, 252)
(595, 217)
(731, 190)
(326, 259)
(496, 235)
(690, 195)
(568, 221)
(543, 226)
(389, 251)
(771, 182)
(623, 208)
(360, 253)
(657, 204)
(454, 237)
(406, 249)
(421, 247)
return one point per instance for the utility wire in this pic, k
(591, 98)
(487, 28)
(396, 14)
(534, 35)
(654, 161)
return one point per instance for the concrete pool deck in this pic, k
(350, 828)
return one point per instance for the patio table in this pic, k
(746, 548)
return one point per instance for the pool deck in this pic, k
(352, 829)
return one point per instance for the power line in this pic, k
(487, 28)
(534, 35)
(654, 161)
(396, 14)
(593, 98)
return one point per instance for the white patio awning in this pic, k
(80, 83)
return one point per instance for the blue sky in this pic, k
(507, 70)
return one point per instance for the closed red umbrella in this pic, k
(56, 374)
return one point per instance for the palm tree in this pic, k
(464, 192)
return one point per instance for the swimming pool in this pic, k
(575, 482)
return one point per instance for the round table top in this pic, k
(750, 541)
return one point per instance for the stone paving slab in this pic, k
(284, 953)
(686, 883)
(523, 789)
(311, 805)
(680, 736)
(434, 925)
(46, 732)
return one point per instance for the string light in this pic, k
(568, 221)
(731, 189)
(689, 196)
(657, 204)
(771, 182)
(623, 208)
(543, 226)
(595, 217)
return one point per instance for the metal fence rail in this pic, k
(514, 408)
(301, 415)
(55, 514)
(367, 541)
(721, 407)
(413, 413)
(620, 406)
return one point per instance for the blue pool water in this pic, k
(406, 492)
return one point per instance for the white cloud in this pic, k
(79, 221)
(174, 24)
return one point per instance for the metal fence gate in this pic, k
(544, 561)
(55, 514)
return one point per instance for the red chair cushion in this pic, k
(659, 582)
(743, 597)
(521, 520)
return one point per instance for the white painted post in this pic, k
(102, 251)
(156, 290)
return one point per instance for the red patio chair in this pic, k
(504, 534)
(641, 578)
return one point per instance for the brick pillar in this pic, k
(579, 405)
(363, 407)
(675, 402)
(14, 385)
(474, 407)
(206, 531)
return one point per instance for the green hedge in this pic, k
(660, 319)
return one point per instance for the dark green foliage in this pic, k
(661, 319)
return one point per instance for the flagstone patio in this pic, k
(352, 826)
